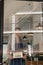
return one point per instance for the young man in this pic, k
(18, 46)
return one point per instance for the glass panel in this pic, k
(18, 6)
(32, 48)
(29, 22)
(4, 51)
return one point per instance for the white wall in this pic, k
(37, 39)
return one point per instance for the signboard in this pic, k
(17, 54)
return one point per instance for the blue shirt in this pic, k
(18, 46)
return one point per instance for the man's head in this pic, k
(18, 29)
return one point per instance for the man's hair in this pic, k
(17, 28)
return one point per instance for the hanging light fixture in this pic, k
(24, 38)
(30, 34)
(39, 26)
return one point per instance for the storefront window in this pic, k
(23, 24)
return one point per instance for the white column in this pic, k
(13, 35)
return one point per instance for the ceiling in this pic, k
(12, 6)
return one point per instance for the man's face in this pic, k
(19, 34)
